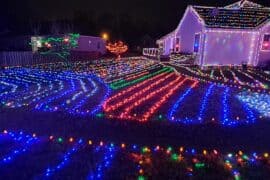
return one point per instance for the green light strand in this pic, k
(124, 84)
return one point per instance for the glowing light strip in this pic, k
(104, 164)
(50, 171)
(137, 94)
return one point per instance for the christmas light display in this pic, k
(258, 101)
(25, 143)
(52, 91)
(150, 160)
(229, 77)
(117, 48)
(241, 31)
(240, 114)
(59, 46)
(149, 91)
(109, 154)
(121, 84)
(66, 159)
(111, 71)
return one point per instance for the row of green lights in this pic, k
(124, 83)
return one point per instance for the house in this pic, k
(231, 35)
(17, 51)
(86, 44)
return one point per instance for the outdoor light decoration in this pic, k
(117, 48)
(109, 154)
(25, 143)
(246, 24)
(59, 46)
(147, 83)
(50, 171)
(122, 83)
(249, 79)
(258, 101)
(48, 87)
(110, 71)
(190, 161)
(138, 96)
(227, 119)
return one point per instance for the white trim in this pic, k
(191, 9)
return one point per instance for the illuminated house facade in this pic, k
(231, 35)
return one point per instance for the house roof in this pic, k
(166, 36)
(243, 14)
(244, 4)
(240, 15)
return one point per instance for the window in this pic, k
(196, 43)
(266, 42)
(177, 44)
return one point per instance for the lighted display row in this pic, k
(217, 105)
(249, 79)
(155, 92)
(258, 101)
(124, 160)
(53, 91)
(108, 69)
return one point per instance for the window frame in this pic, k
(266, 34)
(199, 40)
(177, 49)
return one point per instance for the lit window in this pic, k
(266, 42)
(196, 43)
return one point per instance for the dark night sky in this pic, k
(131, 20)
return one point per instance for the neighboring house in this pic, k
(16, 51)
(91, 43)
(231, 35)
(22, 43)
(85, 44)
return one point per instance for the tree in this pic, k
(60, 46)
(117, 48)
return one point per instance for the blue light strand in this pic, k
(199, 118)
(45, 104)
(75, 109)
(105, 97)
(204, 103)
(226, 112)
(250, 117)
(257, 101)
(104, 164)
(44, 98)
(27, 142)
(177, 105)
(50, 171)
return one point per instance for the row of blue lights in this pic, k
(225, 120)
(25, 143)
(50, 171)
(104, 164)
(55, 96)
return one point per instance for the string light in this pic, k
(145, 158)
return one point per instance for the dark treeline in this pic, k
(137, 22)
